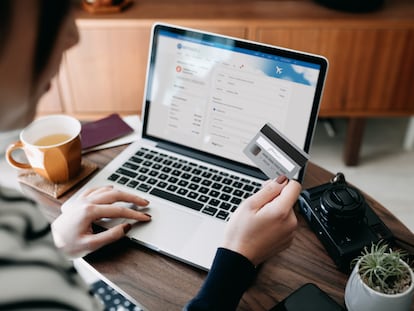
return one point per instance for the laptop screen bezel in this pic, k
(238, 43)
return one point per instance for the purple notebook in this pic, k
(103, 130)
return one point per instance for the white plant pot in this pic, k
(360, 297)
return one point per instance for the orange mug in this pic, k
(52, 147)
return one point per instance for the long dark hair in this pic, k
(5, 13)
(51, 15)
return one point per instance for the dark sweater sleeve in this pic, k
(229, 277)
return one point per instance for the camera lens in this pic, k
(343, 206)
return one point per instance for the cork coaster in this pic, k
(30, 178)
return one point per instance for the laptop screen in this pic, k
(211, 94)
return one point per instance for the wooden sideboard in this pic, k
(371, 55)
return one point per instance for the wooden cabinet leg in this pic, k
(353, 140)
(409, 135)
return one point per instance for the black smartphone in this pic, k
(308, 297)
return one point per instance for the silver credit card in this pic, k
(274, 154)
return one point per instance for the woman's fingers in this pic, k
(270, 190)
(113, 211)
(114, 195)
(103, 238)
(97, 190)
(285, 200)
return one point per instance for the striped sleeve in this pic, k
(33, 273)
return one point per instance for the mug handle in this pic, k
(9, 156)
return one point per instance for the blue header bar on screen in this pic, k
(239, 49)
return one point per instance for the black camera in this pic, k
(342, 220)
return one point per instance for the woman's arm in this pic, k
(262, 226)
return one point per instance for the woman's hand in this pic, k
(264, 223)
(72, 230)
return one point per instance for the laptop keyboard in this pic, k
(210, 191)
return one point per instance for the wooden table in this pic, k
(161, 283)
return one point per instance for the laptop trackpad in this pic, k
(169, 230)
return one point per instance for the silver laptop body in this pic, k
(206, 97)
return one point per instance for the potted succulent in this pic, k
(380, 280)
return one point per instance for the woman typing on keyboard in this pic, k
(34, 273)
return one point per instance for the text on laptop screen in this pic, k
(214, 94)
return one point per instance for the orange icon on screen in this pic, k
(178, 69)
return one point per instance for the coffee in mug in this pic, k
(52, 146)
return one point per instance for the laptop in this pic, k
(206, 96)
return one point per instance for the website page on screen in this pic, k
(215, 97)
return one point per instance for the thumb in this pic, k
(109, 236)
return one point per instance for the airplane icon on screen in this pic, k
(279, 70)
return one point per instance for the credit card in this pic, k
(274, 154)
